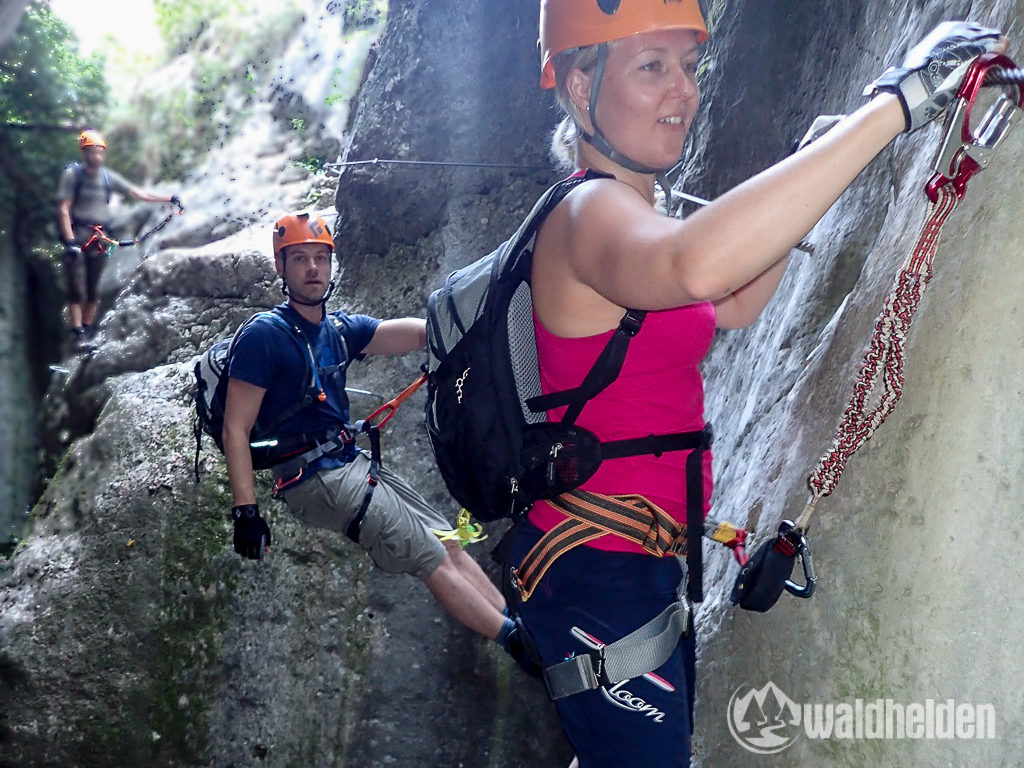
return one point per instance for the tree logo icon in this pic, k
(763, 720)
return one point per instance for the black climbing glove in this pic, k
(252, 533)
(934, 68)
(175, 200)
(72, 251)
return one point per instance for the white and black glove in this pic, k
(934, 68)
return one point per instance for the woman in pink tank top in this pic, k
(625, 74)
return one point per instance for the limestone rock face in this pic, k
(913, 550)
(131, 634)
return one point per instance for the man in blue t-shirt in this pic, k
(269, 370)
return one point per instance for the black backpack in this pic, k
(485, 414)
(211, 387)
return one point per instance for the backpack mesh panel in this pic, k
(522, 344)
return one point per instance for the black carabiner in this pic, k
(764, 578)
(803, 551)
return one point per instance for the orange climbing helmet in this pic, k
(90, 138)
(567, 24)
(296, 228)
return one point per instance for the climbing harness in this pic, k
(630, 516)
(636, 519)
(962, 154)
(106, 244)
(291, 471)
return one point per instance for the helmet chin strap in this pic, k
(284, 288)
(303, 302)
(602, 145)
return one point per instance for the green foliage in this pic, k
(364, 14)
(48, 92)
(181, 22)
(221, 50)
(314, 165)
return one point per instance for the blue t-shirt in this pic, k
(266, 355)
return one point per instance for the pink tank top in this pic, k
(659, 390)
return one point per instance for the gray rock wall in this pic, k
(131, 634)
(18, 387)
(914, 550)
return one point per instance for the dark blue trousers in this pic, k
(589, 596)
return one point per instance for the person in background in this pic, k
(83, 211)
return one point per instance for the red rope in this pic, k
(879, 384)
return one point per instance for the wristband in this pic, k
(245, 510)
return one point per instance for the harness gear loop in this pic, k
(963, 151)
(960, 157)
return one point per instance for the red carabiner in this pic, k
(964, 152)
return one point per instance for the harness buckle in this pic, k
(963, 151)
(515, 580)
(678, 545)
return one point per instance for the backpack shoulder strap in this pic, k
(609, 362)
(541, 209)
(79, 172)
(80, 177)
(108, 186)
(312, 388)
(338, 326)
(603, 372)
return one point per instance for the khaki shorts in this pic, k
(396, 529)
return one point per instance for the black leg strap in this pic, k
(372, 478)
